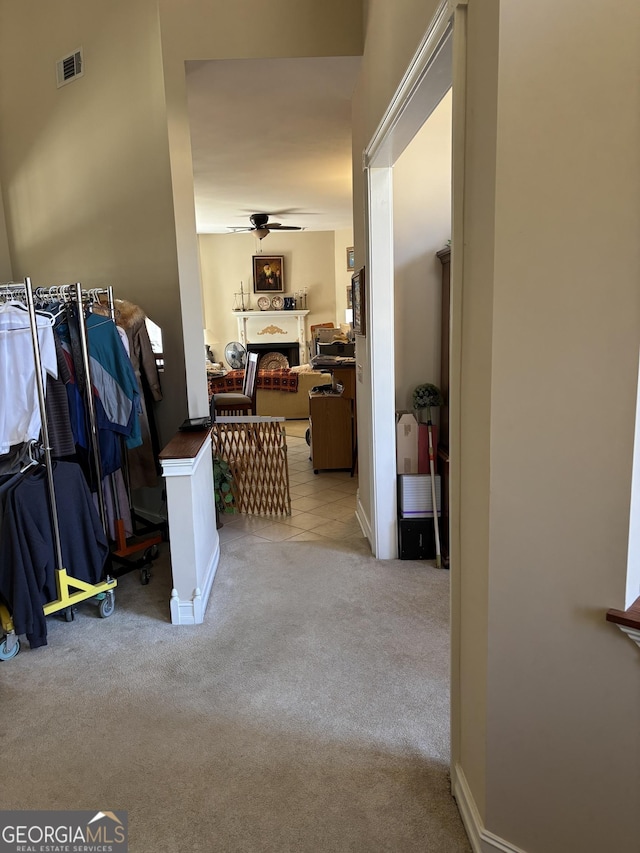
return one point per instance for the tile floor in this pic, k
(322, 505)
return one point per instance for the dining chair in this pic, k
(244, 402)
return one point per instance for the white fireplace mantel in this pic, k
(273, 327)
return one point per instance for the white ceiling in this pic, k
(272, 136)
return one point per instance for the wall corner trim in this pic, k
(428, 48)
(481, 840)
(363, 521)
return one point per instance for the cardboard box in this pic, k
(406, 443)
(423, 448)
(326, 335)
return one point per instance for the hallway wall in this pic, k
(563, 710)
(545, 734)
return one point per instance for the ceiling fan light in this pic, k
(261, 232)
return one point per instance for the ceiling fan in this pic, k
(261, 226)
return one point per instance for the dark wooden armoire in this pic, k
(443, 436)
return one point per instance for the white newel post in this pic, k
(187, 466)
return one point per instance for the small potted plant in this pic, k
(424, 397)
(222, 486)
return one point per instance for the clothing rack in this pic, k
(82, 590)
(146, 535)
(73, 293)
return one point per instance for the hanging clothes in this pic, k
(114, 379)
(57, 406)
(116, 396)
(32, 523)
(143, 460)
(8, 482)
(20, 418)
(27, 550)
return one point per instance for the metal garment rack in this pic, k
(66, 599)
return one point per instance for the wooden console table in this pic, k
(332, 422)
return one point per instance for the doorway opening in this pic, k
(439, 66)
(426, 84)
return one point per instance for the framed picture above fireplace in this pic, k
(268, 274)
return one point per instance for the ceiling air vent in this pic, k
(69, 68)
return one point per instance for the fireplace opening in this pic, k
(290, 350)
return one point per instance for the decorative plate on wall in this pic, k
(273, 361)
(277, 303)
(264, 303)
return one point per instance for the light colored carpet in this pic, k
(309, 712)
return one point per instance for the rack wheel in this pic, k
(145, 576)
(107, 605)
(7, 655)
(68, 614)
(151, 553)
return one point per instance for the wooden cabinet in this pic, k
(345, 376)
(331, 423)
(445, 260)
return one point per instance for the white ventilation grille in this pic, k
(69, 68)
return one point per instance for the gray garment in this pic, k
(57, 407)
(116, 506)
(15, 460)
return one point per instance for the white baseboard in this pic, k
(481, 840)
(191, 611)
(363, 521)
(209, 577)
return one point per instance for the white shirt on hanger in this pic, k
(19, 407)
(124, 339)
